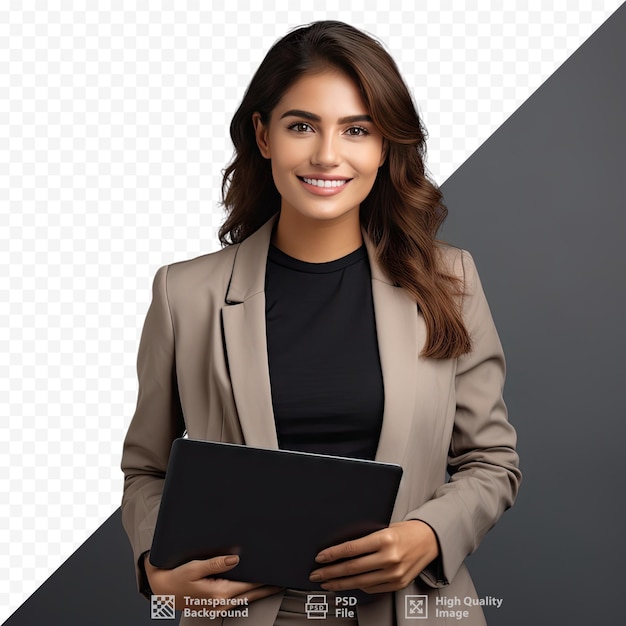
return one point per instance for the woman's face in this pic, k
(324, 148)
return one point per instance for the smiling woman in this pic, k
(404, 209)
(332, 322)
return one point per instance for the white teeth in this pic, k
(324, 183)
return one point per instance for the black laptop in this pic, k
(276, 509)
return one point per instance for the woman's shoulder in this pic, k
(211, 274)
(454, 260)
(207, 272)
(211, 261)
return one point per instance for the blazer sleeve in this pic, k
(157, 421)
(482, 462)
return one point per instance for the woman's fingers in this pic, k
(386, 560)
(352, 567)
(350, 549)
(201, 579)
(194, 570)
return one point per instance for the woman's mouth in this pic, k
(323, 186)
(325, 182)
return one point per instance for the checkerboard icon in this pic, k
(162, 607)
(416, 607)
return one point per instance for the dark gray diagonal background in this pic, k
(541, 206)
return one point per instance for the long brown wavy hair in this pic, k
(404, 209)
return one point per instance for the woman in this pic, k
(333, 322)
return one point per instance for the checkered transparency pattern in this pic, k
(113, 134)
(162, 607)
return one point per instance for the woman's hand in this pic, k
(197, 579)
(387, 560)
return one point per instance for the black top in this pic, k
(326, 380)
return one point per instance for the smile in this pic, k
(326, 183)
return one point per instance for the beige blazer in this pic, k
(203, 368)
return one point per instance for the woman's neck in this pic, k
(315, 240)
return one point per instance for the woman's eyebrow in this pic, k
(316, 118)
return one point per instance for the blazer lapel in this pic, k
(243, 317)
(401, 334)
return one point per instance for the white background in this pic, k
(113, 134)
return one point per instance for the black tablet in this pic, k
(276, 509)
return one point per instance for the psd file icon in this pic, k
(416, 607)
(316, 607)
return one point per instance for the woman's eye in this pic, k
(356, 131)
(300, 127)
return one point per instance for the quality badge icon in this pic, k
(416, 607)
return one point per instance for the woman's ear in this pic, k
(261, 132)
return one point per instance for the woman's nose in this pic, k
(326, 153)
